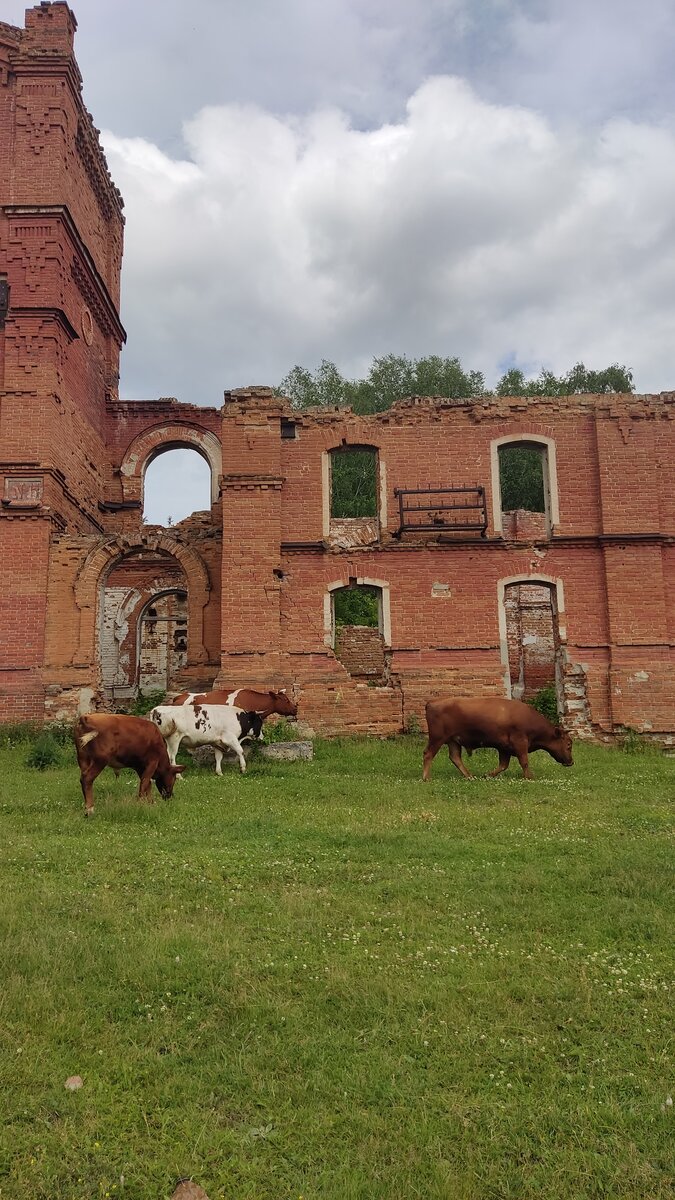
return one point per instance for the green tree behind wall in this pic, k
(357, 606)
(393, 376)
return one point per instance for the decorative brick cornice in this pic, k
(108, 197)
(49, 314)
(83, 269)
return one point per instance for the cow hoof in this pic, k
(88, 812)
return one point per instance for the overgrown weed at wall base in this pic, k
(546, 703)
(145, 702)
(20, 733)
(634, 742)
(279, 731)
(45, 752)
(17, 733)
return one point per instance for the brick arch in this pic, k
(174, 436)
(96, 567)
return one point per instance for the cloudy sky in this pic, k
(309, 179)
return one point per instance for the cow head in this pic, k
(560, 747)
(251, 724)
(165, 777)
(283, 704)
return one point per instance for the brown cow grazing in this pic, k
(264, 702)
(509, 726)
(103, 740)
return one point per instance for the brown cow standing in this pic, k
(263, 702)
(508, 726)
(103, 740)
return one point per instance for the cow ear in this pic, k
(558, 731)
(180, 767)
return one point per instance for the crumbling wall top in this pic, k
(480, 408)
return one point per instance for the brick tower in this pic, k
(61, 230)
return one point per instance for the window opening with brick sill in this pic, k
(525, 508)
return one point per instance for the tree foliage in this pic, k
(353, 483)
(579, 379)
(389, 378)
(521, 478)
(358, 605)
(395, 375)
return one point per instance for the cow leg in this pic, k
(219, 758)
(235, 745)
(455, 753)
(430, 753)
(87, 777)
(145, 788)
(521, 753)
(172, 743)
(504, 760)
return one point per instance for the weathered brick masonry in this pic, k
(93, 602)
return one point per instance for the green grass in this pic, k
(329, 980)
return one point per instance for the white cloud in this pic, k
(466, 228)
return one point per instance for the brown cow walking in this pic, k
(104, 740)
(262, 702)
(508, 726)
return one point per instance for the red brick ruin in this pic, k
(470, 599)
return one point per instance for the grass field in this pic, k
(328, 980)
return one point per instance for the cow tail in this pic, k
(84, 738)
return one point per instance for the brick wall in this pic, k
(360, 649)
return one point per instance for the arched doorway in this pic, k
(143, 625)
(162, 642)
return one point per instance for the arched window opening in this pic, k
(357, 622)
(533, 642)
(524, 490)
(177, 483)
(353, 482)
